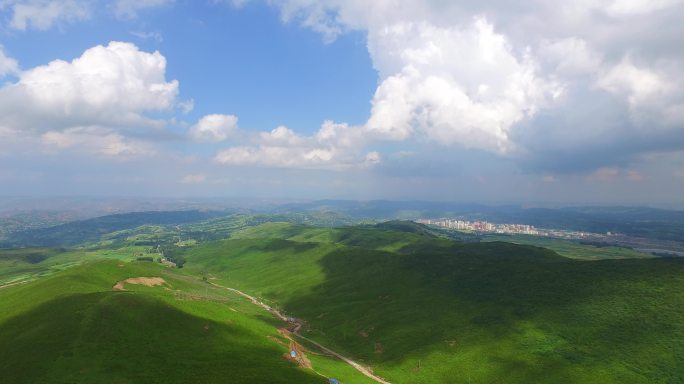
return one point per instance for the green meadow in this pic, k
(72, 327)
(413, 306)
(418, 309)
(570, 248)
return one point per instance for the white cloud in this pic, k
(277, 156)
(619, 8)
(113, 85)
(214, 128)
(44, 14)
(570, 55)
(637, 84)
(373, 158)
(453, 85)
(333, 147)
(281, 135)
(96, 104)
(563, 73)
(153, 35)
(186, 106)
(341, 135)
(130, 8)
(97, 141)
(8, 65)
(655, 95)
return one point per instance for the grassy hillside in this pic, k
(425, 310)
(91, 230)
(26, 264)
(72, 327)
(415, 307)
(571, 248)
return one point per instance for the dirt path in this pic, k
(366, 371)
(14, 283)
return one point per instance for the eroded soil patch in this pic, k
(146, 281)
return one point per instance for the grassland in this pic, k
(571, 249)
(26, 264)
(418, 309)
(415, 307)
(71, 327)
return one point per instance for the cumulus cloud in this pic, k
(98, 104)
(571, 86)
(214, 128)
(637, 84)
(332, 147)
(95, 140)
(281, 136)
(454, 85)
(113, 85)
(276, 156)
(569, 56)
(44, 14)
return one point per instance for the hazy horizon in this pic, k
(161, 203)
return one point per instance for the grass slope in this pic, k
(91, 230)
(424, 310)
(570, 248)
(70, 327)
(26, 264)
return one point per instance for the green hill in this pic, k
(91, 230)
(413, 306)
(72, 327)
(419, 309)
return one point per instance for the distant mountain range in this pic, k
(634, 221)
(645, 222)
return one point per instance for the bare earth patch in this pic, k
(300, 357)
(146, 281)
(366, 332)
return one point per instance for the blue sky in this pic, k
(229, 59)
(398, 99)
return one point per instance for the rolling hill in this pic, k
(396, 297)
(419, 309)
(77, 326)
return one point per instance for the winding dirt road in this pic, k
(366, 371)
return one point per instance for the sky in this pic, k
(491, 101)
